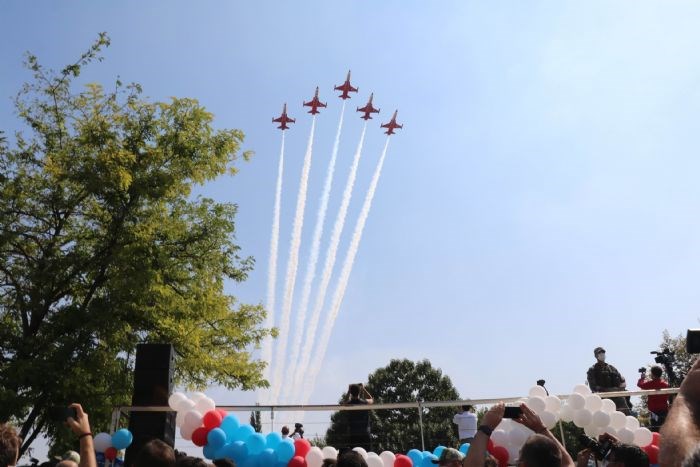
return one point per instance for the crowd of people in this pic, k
(680, 433)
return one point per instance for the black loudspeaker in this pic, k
(153, 382)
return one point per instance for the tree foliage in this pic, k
(103, 248)
(399, 430)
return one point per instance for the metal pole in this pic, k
(420, 423)
(272, 419)
(116, 413)
(561, 430)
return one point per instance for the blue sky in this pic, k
(540, 201)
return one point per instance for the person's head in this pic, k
(298, 428)
(599, 353)
(329, 462)
(224, 463)
(628, 455)
(467, 408)
(656, 372)
(285, 430)
(490, 461)
(67, 463)
(351, 459)
(540, 451)
(188, 461)
(354, 390)
(155, 453)
(450, 457)
(9, 445)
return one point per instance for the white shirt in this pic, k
(466, 423)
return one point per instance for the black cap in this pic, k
(598, 350)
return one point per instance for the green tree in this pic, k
(399, 430)
(103, 248)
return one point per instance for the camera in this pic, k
(642, 370)
(664, 357)
(599, 449)
(692, 341)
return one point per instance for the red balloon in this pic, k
(199, 436)
(490, 446)
(111, 453)
(655, 438)
(403, 461)
(297, 461)
(222, 412)
(653, 453)
(212, 419)
(501, 454)
(301, 448)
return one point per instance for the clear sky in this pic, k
(541, 200)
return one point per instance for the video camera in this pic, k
(599, 449)
(664, 357)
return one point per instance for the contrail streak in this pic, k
(331, 254)
(313, 260)
(292, 265)
(320, 351)
(272, 269)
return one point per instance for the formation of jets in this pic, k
(346, 88)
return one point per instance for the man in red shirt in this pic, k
(658, 405)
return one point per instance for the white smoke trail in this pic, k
(320, 352)
(272, 271)
(331, 254)
(313, 260)
(292, 265)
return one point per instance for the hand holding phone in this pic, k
(512, 412)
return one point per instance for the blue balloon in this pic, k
(209, 451)
(438, 450)
(239, 451)
(121, 439)
(273, 439)
(416, 457)
(230, 424)
(256, 443)
(251, 461)
(285, 450)
(243, 432)
(428, 461)
(225, 452)
(268, 458)
(464, 448)
(427, 454)
(216, 438)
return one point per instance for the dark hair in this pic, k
(329, 462)
(224, 463)
(351, 459)
(9, 445)
(467, 407)
(657, 371)
(354, 390)
(490, 461)
(540, 451)
(155, 453)
(189, 461)
(630, 455)
(285, 430)
(693, 458)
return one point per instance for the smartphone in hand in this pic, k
(512, 412)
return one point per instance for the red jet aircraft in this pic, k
(283, 119)
(346, 88)
(368, 109)
(314, 104)
(392, 125)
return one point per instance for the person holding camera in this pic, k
(610, 449)
(298, 431)
(657, 405)
(603, 377)
(359, 434)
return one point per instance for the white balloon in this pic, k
(186, 432)
(594, 402)
(537, 391)
(175, 398)
(601, 419)
(625, 435)
(329, 452)
(566, 413)
(552, 404)
(185, 405)
(362, 452)
(576, 401)
(631, 423)
(583, 418)
(195, 396)
(591, 431)
(387, 458)
(193, 419)
(513, 454)
(611, 431)
(180, 419)
(536, 403)
(582, 389)
(618, 420)
(642, 437)
(517, 437)
(499, 438)
(204, 405)
(102, 441)
(548, 419)
(506, 425)
(374, 460)
(608, 406)
(314, 458)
